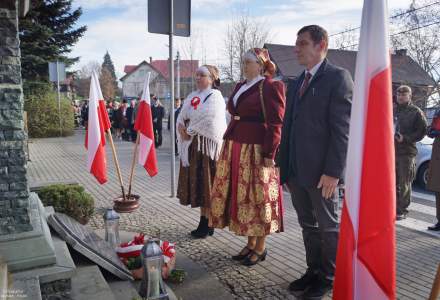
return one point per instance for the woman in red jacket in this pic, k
(246, 194)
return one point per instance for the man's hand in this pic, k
(399, 137)
(328, 185)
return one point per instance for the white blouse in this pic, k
(245, 87)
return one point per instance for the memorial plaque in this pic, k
(89, 244)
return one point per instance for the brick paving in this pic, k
(63, 159)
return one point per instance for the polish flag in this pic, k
(144, 127)
(365, 264)
(98, 124)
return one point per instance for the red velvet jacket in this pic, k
(251, 128)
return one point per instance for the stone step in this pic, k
(24, 289)
(88, 283)
(123, 290)
(3, 277)
(64, 268)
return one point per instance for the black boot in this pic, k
(198, 227)
(202, 230)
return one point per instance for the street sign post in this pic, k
(172, 18)
(57, 72)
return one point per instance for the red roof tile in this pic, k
(187, 67)
(129, 68)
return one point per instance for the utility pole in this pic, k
(178, 75)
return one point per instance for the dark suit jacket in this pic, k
(176, 114)
(315, 130)
(252, 128)
(158, 112)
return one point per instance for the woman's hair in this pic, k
(213, 73)
(261, 56)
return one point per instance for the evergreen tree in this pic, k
(108, 64)
(47, 33)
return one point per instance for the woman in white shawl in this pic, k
(201, 125)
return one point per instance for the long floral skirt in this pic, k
(246, 195)
(195, 182)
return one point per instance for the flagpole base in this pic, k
(126, 206)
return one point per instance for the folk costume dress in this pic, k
(204, 115)
(246, 195)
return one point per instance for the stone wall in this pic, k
(14, 202)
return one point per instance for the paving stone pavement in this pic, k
(64, 159)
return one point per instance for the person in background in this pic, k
(85, 114)
(114, 119)
(157, 112)
(411, 127)
(121, 118)
(130, 121)
(434, 167)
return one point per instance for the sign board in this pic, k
(57, 74)
(89, 244)
(159, 17)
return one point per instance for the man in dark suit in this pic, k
(313, 153)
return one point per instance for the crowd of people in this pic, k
(123, 116)
(234, 170)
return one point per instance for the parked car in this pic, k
(424, 148)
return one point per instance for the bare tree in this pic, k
(244, 32)
(346, 40)
(417, 30)
(87, 69)
(82, 80)
(189, 48)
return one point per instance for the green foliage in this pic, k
(41, 106)
(134, 263)
(71, 200)
(47, 33)
(108, 64)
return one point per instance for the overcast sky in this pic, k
(120, 26)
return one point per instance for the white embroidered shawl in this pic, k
(207, 122)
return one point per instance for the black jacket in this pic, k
(314, 138)
(176, 114)
(157, 112)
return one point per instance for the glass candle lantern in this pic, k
(111, 224)
(152, 286)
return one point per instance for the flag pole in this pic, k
(132, 166)
(115, 158)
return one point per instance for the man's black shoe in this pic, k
(400, 217)
(435, 227)
(318, 289)
(299, 286)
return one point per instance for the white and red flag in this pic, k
(144, 127)
(365, 264)
(98, 124)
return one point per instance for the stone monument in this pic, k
(25, 240)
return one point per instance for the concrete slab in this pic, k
(198, 283)
(25, 289)
(64, 267)
(88, 283)
(33, 248)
